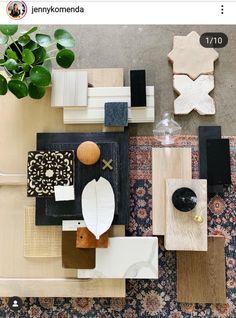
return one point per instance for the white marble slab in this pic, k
(126, 257)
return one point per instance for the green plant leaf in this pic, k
(25, 67)
(65, 58)
(24, 39)
(64, 38)
(40, 76)
(17, 76)
(60, 47)
(11, 65)
(3, 85)
(18, 88)
(3, 39)
(48, 65)
(32, 30)
(40, 55)
(2, 62)
(11, 54)
(28, 56)
(43, 39)
(31, 45)
(36, 92)
(8, 29)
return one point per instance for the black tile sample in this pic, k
(46, 169)
(184, 199)
(138, 88)
(205, 133)
(113, 146)
(218, 162)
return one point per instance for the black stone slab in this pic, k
(205, 133)
(218, 162)
(138, 88)
(184, 199)
(113, 146)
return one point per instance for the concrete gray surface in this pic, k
(146, 47)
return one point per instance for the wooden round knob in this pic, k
(88, 153)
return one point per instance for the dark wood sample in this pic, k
(205, 133)
(218, 162)
(113, 146)
(201, 275)
(72, 257)
(86, 239)
(138, 88)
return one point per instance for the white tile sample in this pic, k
(69, 88)
(190, 57)
(72, 225)
(97, 97)
(64, 193)
(194, 95)
(126, 257)
(98, 206)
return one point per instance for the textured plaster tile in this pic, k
(194, 95)
(190, 57)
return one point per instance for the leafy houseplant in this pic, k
(27, 60)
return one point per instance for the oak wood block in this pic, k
(182, 232)
(86, 239)
(201, 275)
(166, 163)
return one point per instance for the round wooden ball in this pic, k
(88, 153)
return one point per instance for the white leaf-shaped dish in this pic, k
(98, 206)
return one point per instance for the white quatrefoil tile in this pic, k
(194, 95)
(190, 57)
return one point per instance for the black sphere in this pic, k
(184, 199)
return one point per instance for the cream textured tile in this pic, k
(40, 241)
(64, 193)
(69, 88)
(126, 257)
(182, 232)
(194, 95)
(166, 163)
(190, 57)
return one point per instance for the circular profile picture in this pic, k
(16, 9)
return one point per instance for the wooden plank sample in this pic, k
(126, 257)
(86, 239)
(13, 179)
(73, 257)
(182, 232)
(194, 95)
(97, 97)
(113, 146)
(62, 287)
(166, 163)
(69, 88)
(26, 117)
(190, 57)
(40, 241)
(201, 275)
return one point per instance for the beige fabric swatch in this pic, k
(40, 241)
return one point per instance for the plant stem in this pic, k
(22, 76)
(52, 51)
(50, 58)
(16, 45)
(52, 44)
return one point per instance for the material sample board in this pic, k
(182, 232)
(201, 275)
(86, 239)
(166, 163)
(138, 88)
(113, 146)
(40, 241)
(127, 257)
(116, 114)
(218, 162)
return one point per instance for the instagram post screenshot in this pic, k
(117, 159)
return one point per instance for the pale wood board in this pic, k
(182, 232)
(19, 122)
(62, 287)
(201, 275)
(13, 179)
(166, 163)
(194, 95)
(22, 119)
(190, 57)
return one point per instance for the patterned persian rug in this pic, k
(152, 298)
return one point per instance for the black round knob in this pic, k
(184, 199)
